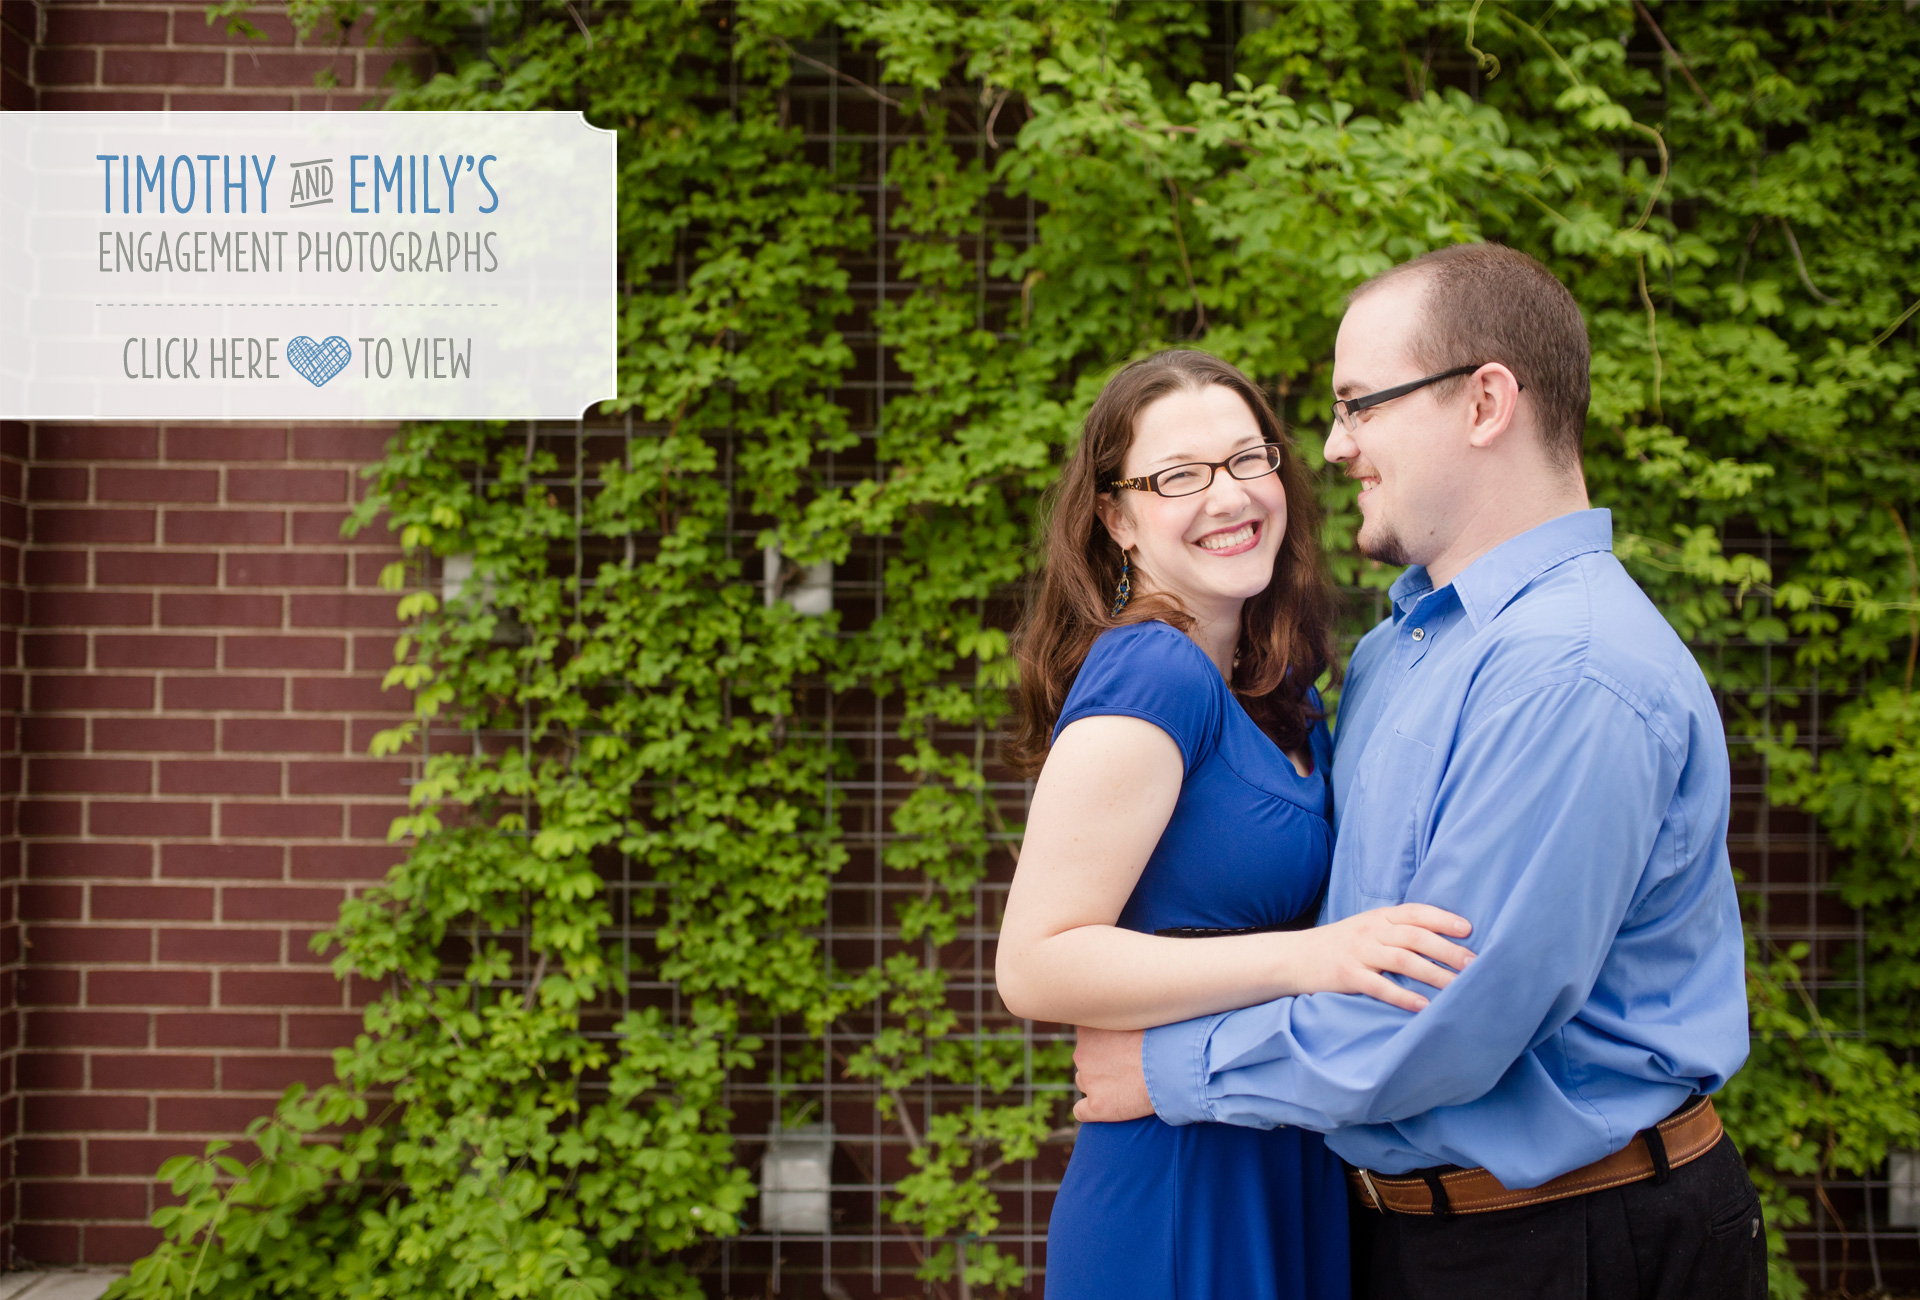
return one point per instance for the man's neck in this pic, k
(1502, 521)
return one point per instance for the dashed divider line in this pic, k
(296, 304)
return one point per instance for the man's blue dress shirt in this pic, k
(1533, 748)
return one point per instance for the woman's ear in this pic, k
(1118, 526)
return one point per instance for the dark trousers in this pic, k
(1698, 1236)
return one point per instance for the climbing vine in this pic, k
(1730, 192)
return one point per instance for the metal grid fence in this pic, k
(1783, 859)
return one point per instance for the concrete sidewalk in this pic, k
(58, 1284)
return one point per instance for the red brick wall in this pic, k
(13, 535)
(190, 660)
(19, 28)
(203, 656)
(90, 55)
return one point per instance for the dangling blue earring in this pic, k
(1125, 593)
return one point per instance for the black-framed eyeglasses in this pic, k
(1197, 476)
(1345, 408)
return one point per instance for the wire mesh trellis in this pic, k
(1785, 866)
(1782, 858)
(862, 1253)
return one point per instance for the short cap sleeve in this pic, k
(1153, 672)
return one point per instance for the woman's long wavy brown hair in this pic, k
(1286, 632)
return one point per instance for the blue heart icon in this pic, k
(318, 362)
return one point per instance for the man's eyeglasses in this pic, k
(1344, 409)
(1197, 476)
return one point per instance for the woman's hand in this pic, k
(1352, 956)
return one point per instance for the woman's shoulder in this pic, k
(1152, 657)
(1153, 671)
(1152, 640)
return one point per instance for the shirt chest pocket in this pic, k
(1390, 809)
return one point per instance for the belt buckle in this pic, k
(1379, 1201)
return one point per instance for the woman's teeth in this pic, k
(1224, 541)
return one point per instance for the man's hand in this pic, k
(1106, 1067)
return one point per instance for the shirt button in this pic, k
(1419, 634)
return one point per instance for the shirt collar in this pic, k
(1485, 586)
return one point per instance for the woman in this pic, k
(1167, 705)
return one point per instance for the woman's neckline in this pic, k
(1293, 770)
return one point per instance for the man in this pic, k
(1526, 742)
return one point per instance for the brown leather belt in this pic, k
(1683, 1136)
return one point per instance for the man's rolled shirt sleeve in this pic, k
(1174, 1060)
(1542, 834)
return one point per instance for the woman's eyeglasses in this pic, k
(1197, 476)
(1344, 409)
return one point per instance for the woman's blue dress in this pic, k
(1205, 1211)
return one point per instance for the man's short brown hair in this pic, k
(1487, 302)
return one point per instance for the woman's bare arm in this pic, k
(1099, 807)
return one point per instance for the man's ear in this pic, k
(1118, 526)
(1493, 402)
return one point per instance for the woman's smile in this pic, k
(1236, 540)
